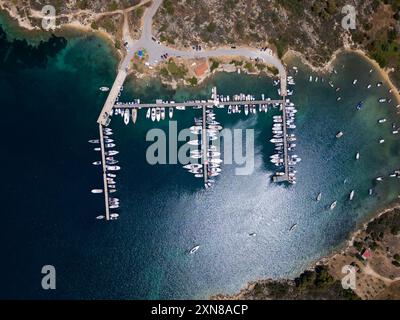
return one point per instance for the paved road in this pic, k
(155, 50)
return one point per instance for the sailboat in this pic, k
(171, 112)
(134, 115)
(333, 205)
(357, 156)
(351, 196)
(319, 196)
(126, 116)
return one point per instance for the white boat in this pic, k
(162, 113)
(100, 217)
(379, 179)
(319, 196)
(158, 114)
(96, 191)
(333, 205)
(381, 141)
(357, 156)
(112, 153)
(351, 196)
(383, 120)
(293, 227)
(114, 215)
(171, 112)
(126, 116)
(96, 163)
(153, 114)
(94, 141)
(194, 249)
(104, 89)
(246, 110)
(113, 168)
(134, 115)
(148, 113)
(339, 134)
(355, 81)
(194, 142)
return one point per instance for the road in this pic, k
(155, 50)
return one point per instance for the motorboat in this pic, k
(381, 141)
(357, 156)
(134, 115)
(148, 113)
(171, 112)
(333, 205)
(351, 196)
(194, 249)
(94, 141)
(97, 163)
(113, 168)
(104, 89)
(162, 113)
(97, 191)
(153, 114)
(319, 196)
(112, 152)
(383, 120)
(339, 134)
(126, 116)
(194, 142)
(101, 217)
(158, 114)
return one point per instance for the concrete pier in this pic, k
(104, 165)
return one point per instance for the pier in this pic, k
(204, 145)
(104, 166)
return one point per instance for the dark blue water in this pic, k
(49, 113)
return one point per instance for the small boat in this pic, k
(100, 217)
(114, 216)
(158, 114)
(339, 134)
(293, 227)
(171, 112)
(194, 249)
(379, 179)
(162, 113)
(383, 120)
(153, 114)
(104, 89)
(112, 152)
(351, 196)
(96, 191)
(370, 192)
(333, 205)
(355, 81)
(113, 168)
(194, 142)
(319, 196)
(126, 116)
(382, 100)
(338, 98)
(359, 105)
(253, 234)
(357, 156)
(381, 141)
(148, 113)
(134, 115)
(369, 86)
(94, 141)
(97, 163)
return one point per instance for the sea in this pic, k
(50, 101)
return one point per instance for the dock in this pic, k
(204, 144)
(104, 165)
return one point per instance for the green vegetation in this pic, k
(175, 70)
(192, 81)
(211, 27)
(112, 6)
(168, 6)
(249, 66)
(273, 70)
(117, 44)
(214, 65)
(236, 63)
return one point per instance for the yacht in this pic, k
(134, 115)
(194, 249)
(351, 196)
(153, 114)
(162, 113)
(333, 205)
(357, 156)
(383, 120)
(171, 112)
(104, 89)
(339, 134)
(96, 191)
(94, 141)
(148, 113)
(381, 141)
(158, 114)
(100, 217)
(126, 116)
(319, 196)
(97, 163)
(355, 81)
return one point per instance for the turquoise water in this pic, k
(49, 218)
